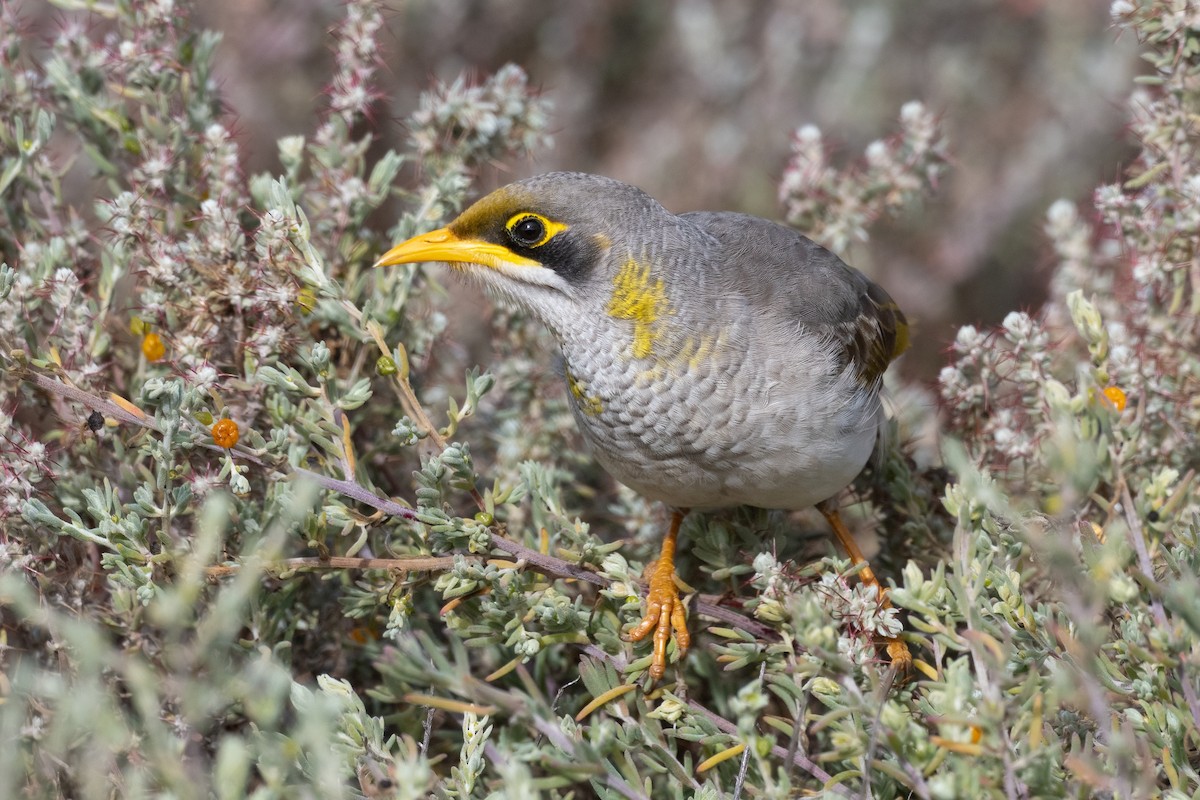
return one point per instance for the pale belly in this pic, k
(775, 436)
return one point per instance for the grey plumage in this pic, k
(760, 382)
(713, 359)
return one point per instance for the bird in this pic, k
(712, 359)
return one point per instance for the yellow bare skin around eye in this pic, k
(550, 227)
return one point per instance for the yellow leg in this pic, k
(897, 650)
(664, 608)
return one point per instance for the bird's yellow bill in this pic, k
(444, 245)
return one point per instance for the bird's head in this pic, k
(552, 243)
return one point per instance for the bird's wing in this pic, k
(777, 268)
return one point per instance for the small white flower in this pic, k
(912, 112)
(877, 153)
(808, 135)
(35, 451)
(1062, 214)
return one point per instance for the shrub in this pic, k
(243, 555)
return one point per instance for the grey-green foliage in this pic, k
(368, 597)
(135, 714)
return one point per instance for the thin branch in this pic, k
(108, 408)
(706, 605)
(408, 398)
(413, 564)
(548, 565)
(427, 730)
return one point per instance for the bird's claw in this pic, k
(664, 615)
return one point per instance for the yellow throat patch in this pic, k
(641, 299)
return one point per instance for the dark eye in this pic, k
(529, 231)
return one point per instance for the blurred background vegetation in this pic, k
(274, 524)
(696, 102)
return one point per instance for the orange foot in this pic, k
(664, 608)
(898, 654)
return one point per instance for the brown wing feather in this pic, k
(877, 336)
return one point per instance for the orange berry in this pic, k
(362, 634)
(152, 347)
(225, 433)
(1116, 397)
